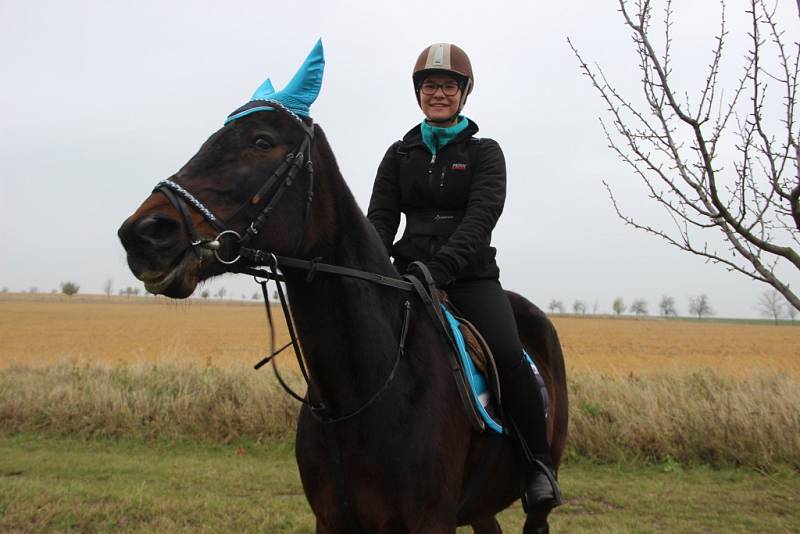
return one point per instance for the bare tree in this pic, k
(700, 306)
(108, 287)
(771, 304)
(221, 293)
(205, 294)
(619, 306)
(556, 306)
(667, 306)
(791, 311)
(595, 307)
(33, 290)
(676, 145)
(579, 307)
(639, 307)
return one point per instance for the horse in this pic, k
(395, 451)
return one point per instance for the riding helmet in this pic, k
(444, 58)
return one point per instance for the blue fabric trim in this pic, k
(436, 138)
(477, 382)
(234, 115)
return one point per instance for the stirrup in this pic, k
(541, 469)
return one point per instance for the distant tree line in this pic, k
(699, 305)
(771, 304)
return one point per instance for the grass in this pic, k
(696, 418)
(146, 401)
(71, 485)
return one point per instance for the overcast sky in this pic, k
(100, 100)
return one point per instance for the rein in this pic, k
(318, 408)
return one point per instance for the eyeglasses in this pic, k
(448, 88)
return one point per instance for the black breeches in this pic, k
(485, 304)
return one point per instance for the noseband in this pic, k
(282, 178)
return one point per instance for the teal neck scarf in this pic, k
(435, 138)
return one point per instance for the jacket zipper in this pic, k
(430, 171)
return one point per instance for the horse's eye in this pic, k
(263, 142)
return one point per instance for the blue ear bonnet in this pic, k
(297, 96)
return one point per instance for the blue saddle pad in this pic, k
(481, 396)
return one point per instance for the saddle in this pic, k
(471, 359)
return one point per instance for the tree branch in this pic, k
(682, 177)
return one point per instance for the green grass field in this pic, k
(68, 485)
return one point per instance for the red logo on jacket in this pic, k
(458, 167)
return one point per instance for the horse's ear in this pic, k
(304, 87)
(298, 95)
(264, 91)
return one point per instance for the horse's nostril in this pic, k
(157, 229)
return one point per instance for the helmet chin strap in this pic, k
(442, 121)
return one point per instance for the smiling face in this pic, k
(440, 107)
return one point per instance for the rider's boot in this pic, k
(522, 402)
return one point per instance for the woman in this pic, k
(451, 187)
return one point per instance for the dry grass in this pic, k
(145, 401)
(692, 418)
(701, 417)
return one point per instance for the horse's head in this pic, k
(250, 184)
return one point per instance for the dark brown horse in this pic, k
(406, 459)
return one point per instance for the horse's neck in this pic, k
(348, 328)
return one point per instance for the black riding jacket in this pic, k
(451, 201)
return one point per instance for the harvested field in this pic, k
(43, 330)
(649, 346)
(116, 330)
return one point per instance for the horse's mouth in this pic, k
(178, 281)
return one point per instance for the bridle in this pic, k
(282, 178)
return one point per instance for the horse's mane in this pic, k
(348, 215)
